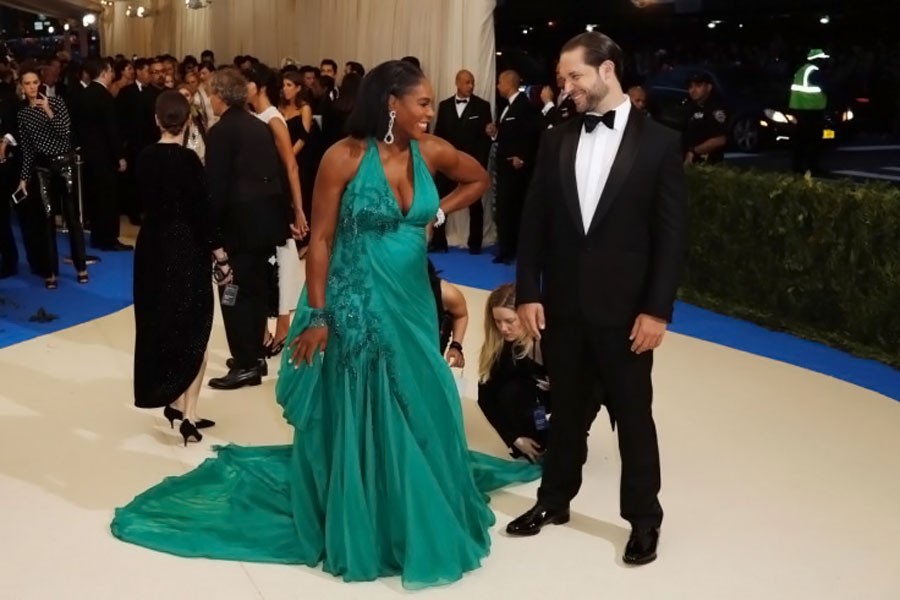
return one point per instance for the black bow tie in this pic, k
(462, 100)
(591, 121)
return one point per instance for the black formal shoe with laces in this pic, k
(262, 365)
(531, 522)
(641, 548)
(236, 379)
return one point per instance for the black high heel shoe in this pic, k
(173, 414)
(188, 430)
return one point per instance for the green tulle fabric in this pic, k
(379, 480)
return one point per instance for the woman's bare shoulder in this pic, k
(343, 157)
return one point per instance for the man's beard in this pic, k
(594, 97)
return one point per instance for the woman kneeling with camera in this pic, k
(514, 391)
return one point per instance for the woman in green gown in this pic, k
(379, 480)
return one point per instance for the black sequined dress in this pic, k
(173, 293)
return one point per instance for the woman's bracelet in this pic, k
(440, 218)
(319, 318)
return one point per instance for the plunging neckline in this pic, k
(387, 182)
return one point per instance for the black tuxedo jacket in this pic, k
(246, 177)
(136, 109)
(466, 132)
(518, 132)
(97, 126)
(630, 259)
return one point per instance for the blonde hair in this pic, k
(502, 297)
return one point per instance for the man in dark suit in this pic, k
(136, 106)
(517, 133)
(103, 153)
(249, 206)
(604, 237)
(462, 120)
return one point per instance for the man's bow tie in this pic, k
(591, 121)
(462, 100)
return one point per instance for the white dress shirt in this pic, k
(511, 100)
(594, 159)
(461, 106)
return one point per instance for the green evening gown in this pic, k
(379, 480)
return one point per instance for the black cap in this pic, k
(700, 77)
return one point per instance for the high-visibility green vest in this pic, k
(804, 95)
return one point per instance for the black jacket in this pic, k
(246, 183)
(629, 261)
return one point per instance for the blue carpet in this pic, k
(478, 272)
(22, 296)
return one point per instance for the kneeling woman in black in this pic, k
(513, 390)
(173, 296)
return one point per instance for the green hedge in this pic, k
(820, 259)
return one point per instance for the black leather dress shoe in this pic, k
(263, 366)
(236, 378)
(641, 548)
(531, 522)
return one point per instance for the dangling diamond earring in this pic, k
(389, 136)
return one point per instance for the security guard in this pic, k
(807, 103)
(705, 135)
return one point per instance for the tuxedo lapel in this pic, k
(567, 171)
(621, 167)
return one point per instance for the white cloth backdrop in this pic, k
(446, 35)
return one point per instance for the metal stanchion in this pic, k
(89, 258)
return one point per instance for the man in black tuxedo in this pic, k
(136, 106)
(103, 152)
(250, 207)
(517, 133)
(604, 235)
(462, 121)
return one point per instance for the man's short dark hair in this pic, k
(598, 48)
(94, 67)
(330, 63)
(310, 69)
(141, 63)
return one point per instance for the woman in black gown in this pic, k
(173, 296)
(305, 137)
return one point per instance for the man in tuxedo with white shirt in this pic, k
(517, 133)
(604, 236)
(462, 120)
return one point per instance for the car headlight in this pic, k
(847, 115)
(778, 116)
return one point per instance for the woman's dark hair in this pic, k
(264, 77)
(172, 111)
(357, 68)
(370, 111)
(119, 68)
(304, 94)
(349, 90)
(598, 48)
